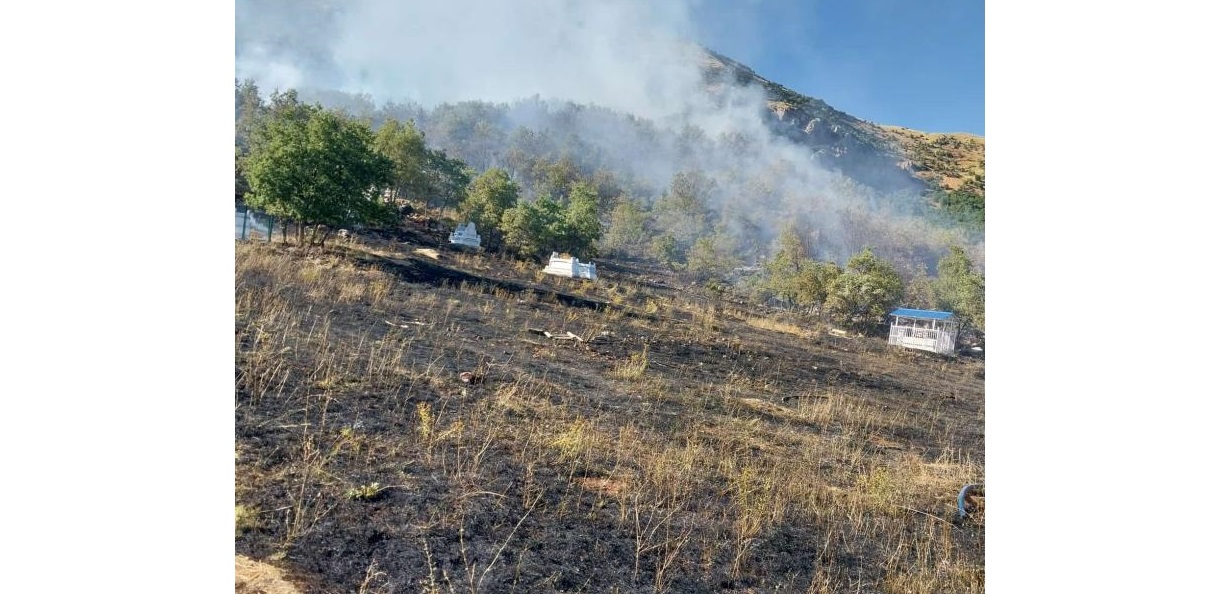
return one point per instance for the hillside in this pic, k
(496, 104)
(404, 423)
(890, 158)
(413, 417)
(945, 161)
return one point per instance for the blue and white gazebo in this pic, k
(924, 329)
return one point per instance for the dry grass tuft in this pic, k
(255, 577)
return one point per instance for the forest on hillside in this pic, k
(735, 208)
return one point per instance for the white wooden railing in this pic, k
(906, 332)
(929, 339)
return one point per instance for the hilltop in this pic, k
(887, 157)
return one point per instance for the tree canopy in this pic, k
(533, 229)
(959, 288)
(785, 268)
(402, 144)
(547, 225)
(488, 196)
(581, 227)
(628, 233)
(793, 277)
(316, 167)
(864, 293)
(420, 173)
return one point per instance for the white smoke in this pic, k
(632, 56)
(622, 55)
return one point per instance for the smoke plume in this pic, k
(538, 59)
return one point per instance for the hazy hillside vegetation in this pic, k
(539, 176)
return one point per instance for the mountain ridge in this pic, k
(886, 156)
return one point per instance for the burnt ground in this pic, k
(683, 444)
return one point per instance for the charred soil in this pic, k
(457, 422)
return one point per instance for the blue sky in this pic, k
(918, 64)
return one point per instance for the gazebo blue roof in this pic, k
(922, 314)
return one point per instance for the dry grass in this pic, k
(683, 451)
(778, 326)
(254, 577)
(633, 368)
(953, 158)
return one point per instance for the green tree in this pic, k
(524, 146)
(920, 294)
(965, 204)
(555, 178)
(959, 288)
(814, 283)
(784, 270)
(489, 196)
(864, 293)
(608, 188)
(406, 148)
(581, 227)
(712, 256)
(447, 178)
(534, 229)
(545, 225)
(422, 173)
(628, 233)
(248, 109)
(241, 187)
(682, 212)
(317, 168)
(666, 248)
(285, 105)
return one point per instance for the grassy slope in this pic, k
(943, 160)
(684, 446)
